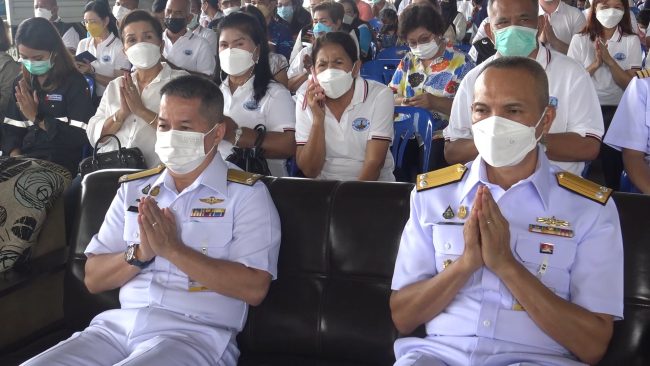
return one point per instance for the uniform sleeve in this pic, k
(460, 120)
(629, 128)
(579, 22)
(79, 110)
(7, 77)
(461, 27)
(110, 238)
(634, 54)
(585, 117)
(416, 258)
(280, 109)
(81, 46)
(296, 67)
(304, 119)
(121, 62)
(13, 131)
(206, 60)
(597, 272)
(109, 102)
(71, 39)
(256, 232)
(381, 126)
(575, 49)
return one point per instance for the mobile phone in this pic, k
(85, 57)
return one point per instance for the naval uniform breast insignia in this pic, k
(449, 213)
(462, 212)
(208, 212)
(584, 187)
(550, 230)
(154, 191)
(211, 200)
(142, 174)
(440, 177)
(146, 189)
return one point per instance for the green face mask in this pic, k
(37, 67)
(515, 40)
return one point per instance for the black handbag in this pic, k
(251, 159)
(117, 159)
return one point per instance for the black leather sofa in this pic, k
(329, 305)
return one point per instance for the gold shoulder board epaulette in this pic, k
(441, 177)
(584, 187)
(242, 177)
(643, 73)
(143, 174)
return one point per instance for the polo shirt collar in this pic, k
(164, 74)
(559, 10)
(360, 91)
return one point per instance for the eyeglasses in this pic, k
(422, 40)
(90, 21)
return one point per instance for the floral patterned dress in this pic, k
(441, 78)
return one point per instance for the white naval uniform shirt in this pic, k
(110, 57)
(630, 128)
(135, 132)
(276, 111)
(368, 117)
(484, 318)
(566, 21)
(246, 230)
(210, 36)
(191, 53)
(571, 90)
(625, 49)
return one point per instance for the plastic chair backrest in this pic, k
(627, 185)
(392, 53)
(375, 24)
(417, 121)
(91, 83)
(379, 70)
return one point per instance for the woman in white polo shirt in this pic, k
(610, 50)
(129, 108)
(251, 96)
(344, 123)
(104, 43)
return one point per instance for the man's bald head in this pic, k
(178, 5)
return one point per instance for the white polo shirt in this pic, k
(135, 132)
(368, 117)
(566, 21)
(625, 49)
(209, 35)
(276, 111)
(296, 66)
(110, 57)
(630, 128)
(190, 52)
(571, 90)
(277, 62)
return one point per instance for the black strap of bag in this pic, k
(251, 159)
(116, 159)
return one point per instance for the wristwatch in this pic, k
(238, 133)
(131, 258)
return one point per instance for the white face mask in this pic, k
(181, 151)
(609, 18)
(119, 11)
(143, 55)
(194, 22)
(348, 19)
(228, 11)
(503, 142)
(426, 51)
(42, 13)
(235, 61)
(335, 82)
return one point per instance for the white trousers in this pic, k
(138, 337)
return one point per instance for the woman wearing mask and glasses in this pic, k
(104, 43)
(611, 52)
(428, 76)
(351, 21)
(129, 107)
(250, 94)
(344, 123)
(51, 104)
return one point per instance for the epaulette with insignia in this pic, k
(242, 177)
(643, 73)
(584, 187)
(441, 177)
(142, 174)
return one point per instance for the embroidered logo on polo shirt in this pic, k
(188, 52)
(552, 101)
(251, 105)
(54, 97)
(106, 58)
(360, 124)
(620, 56)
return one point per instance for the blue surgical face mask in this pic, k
(37, 67)
(515, 40)
(321, 28)
(285, 12)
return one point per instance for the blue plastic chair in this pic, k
(392, 53)
(413, 122)
(379, 70)
(375, 24)
(627, 185)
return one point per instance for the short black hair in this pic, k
(191, 87)
(534, 3)
(340, 38)
(158, 6)
(140, 15)
(532, 67)
(416, 16)
(335, 10)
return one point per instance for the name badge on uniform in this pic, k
(53, 97)
(208, 212)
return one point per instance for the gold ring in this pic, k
(155, 223)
